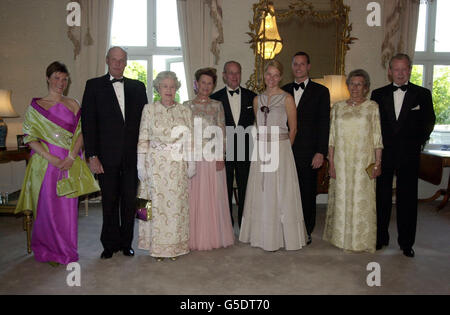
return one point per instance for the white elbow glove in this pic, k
(191, 169)
(142, 174)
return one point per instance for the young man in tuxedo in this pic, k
(407, 119)
(238, 107)
(311, 143)
(111, 115)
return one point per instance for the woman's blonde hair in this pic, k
(276, 64)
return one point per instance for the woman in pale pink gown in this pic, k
(209, 214)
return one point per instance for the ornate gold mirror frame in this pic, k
(303, 11)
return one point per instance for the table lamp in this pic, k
(338, 88)
(6, 111)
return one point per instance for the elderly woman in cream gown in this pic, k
(355, 143)
(163, 177)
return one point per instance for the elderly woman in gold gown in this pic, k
(163, 177)
(355, 143)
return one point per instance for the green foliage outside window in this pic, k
(417, 75)
(137, 71)
(440, 93)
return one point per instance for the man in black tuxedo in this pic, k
(311, 143)
(407, 119)
(238, 107)
(110, 116)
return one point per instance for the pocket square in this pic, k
(416, 108)
(248, 107)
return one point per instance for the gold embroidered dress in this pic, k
(355, 133)
(167, 234)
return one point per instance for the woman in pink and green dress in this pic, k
(53, 132)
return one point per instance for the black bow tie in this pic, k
(232, 92)
(403, 88)
(117, 80)
(296, 85)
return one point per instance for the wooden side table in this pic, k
(10, 155)
(432, 164)
(16, 155)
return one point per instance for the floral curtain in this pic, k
(90, 41)
(400, 28)
(201, 32)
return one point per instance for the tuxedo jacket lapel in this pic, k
(245, 100)
(290, 89)
(246, 115)
(389, 104)
(128, 98)
(305, 96)
(408, 101)
(113, 98)
(227, 106)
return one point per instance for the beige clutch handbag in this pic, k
(369, 170)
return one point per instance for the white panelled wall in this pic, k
(34, 34)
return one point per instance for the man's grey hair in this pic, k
(401, 57)
(230, 62)
(166, 75)
(114, 47)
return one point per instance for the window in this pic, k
(431, 67)
(148, 31)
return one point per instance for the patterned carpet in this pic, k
(317, 269)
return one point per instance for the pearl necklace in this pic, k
(201, 100)
(354, 103)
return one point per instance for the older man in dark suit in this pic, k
(110, 115)
(407, 119)
(313, 126)
(238, 107)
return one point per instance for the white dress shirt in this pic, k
(120, 94)
(235, 103)
(399, 96)
(298, 94)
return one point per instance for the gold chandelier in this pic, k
(269, 42)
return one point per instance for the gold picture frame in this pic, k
(334, 19)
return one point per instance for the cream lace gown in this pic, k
(167, 234)
(351, 220)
